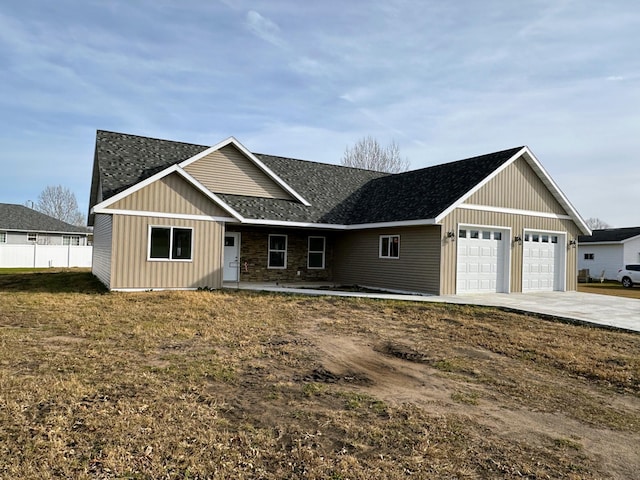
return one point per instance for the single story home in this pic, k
(606, 251)
(20, 225)
(172, 215)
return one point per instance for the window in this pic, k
(32, 237)
(315, 258)
(554, 239)
(497, 235)
(277, 251)
(588, 256)
(462, 233)
(545, 238)
(3, 237)
(71, 240)
(486, 235)
(535, 237)
(389, 246)
(474, 234)
(170, 243)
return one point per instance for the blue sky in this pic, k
(445, 80)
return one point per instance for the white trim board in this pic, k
(514, 211)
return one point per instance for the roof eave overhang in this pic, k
(335, 226)
(105, 206)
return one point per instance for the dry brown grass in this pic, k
(245, 385)
(610, 288)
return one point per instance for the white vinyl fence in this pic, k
(41, 256)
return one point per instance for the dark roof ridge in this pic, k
(476, 157)
(152, 138)
(259, 155)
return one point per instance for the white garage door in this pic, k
(542, 262)
(482, 260)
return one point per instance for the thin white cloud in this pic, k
(264, 28)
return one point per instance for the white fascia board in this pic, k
(514, 211)
(555, 190)
(43, 232)
(270, 173)
(103, 207)
(636, 237)
(462, 199)
(134, 188)
(331, 226)
(588, 244)
(179, 216)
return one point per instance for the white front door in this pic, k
(542, 261)
(482, 260)
(231, 257)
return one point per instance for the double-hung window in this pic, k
(315, 257)
(32, 237)
(170, 243)
(389, 246)
(71, 240)
(277, 251)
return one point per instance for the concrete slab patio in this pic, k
(605, 310)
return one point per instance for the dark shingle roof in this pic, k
(20, 218)
(610, 235)
(337, 194)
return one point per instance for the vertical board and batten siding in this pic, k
(171, 194)
(356, 260)
(132, 270)
(229, 171)
(517, 186)
(517, 223)
(101, 257)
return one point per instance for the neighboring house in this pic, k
(175, 215)
(32, 239)
(20, 225)
(608, 250)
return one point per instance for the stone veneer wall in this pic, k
(254, 252)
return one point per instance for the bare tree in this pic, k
(60, 202)
(596, 224)
(368, 154)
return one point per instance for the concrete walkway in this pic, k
(610, 311)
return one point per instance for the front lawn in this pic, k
(246, 385)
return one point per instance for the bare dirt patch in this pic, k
(245, 385)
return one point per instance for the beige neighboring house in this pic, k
(172, 215)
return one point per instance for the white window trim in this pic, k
(388, 255)
(69, 239)
(323, 251)
(3, 237)
(269, 250)
(170, 228)
(35, 235)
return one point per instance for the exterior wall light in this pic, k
(517, 239)
(451, 234)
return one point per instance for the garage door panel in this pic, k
(542, 268)
(481, 261)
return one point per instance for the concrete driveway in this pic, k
(605, 310)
